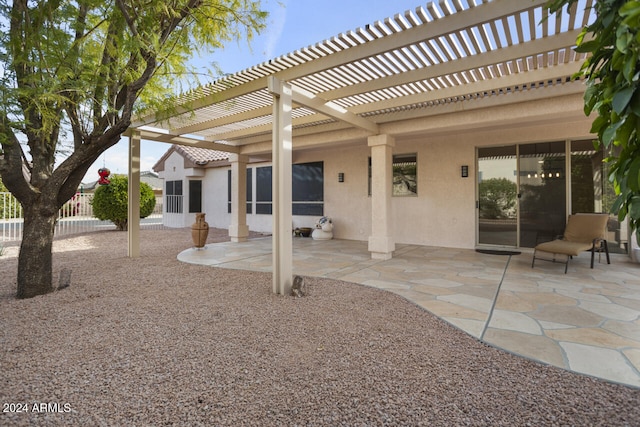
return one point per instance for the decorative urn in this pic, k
(199, 231)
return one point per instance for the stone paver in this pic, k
(587, 321)
(600, 362)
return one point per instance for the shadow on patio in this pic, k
(587, 321)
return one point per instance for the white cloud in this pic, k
(275, 27)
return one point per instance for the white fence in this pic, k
(76, 216)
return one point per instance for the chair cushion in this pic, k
(584, 227)
(564, 247)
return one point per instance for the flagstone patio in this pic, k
(586, 321)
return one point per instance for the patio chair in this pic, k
(584, 232)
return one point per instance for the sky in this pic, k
(291, 25)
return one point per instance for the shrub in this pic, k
(498, 198)
(110, 201)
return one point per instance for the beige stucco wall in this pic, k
(444, 211)
(442, 214)
(350, 223)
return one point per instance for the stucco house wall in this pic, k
(444, 211)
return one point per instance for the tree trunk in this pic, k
(35, 262)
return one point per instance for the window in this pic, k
(405, 175)
(173, 196)
(195, 196)
(307, 189)
(249, 190)
(263, 190)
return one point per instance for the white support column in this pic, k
(238, 229)
(282, 181)
(133, 206)
(381, 242)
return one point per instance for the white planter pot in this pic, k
(319, 234)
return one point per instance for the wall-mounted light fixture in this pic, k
(340, 176)
(464, 171)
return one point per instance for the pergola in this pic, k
(447, 57)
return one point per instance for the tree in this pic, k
(78, 71)
(497, 197)
(110, 202)
(612, 72)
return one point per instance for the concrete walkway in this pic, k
(587, 321)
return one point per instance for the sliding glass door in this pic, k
(497, 201)
(543, 192)
(521, 194)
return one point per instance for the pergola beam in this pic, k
(510, 53)
(475, 16)
(300, 96)
(481, 86)
(184, 140)
(331, 109)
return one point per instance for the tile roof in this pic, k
(201, 156)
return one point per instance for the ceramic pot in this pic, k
(199, 231)
(305, 231)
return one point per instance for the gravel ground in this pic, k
(152, 341)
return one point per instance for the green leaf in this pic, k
(634, 208)
(608, 17)
(625, 131)
(623, 39)
(633, 175)
(617, 206)
(609, 133)
(590, 99)
(629, 67)
(598, 124)
(588, 47)
(635, 103)
(621, 99)
(630, 8)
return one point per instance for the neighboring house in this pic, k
(457, 128)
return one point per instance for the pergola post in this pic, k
(381, 242)
(133, 206)
(238, 229)
(282, 182)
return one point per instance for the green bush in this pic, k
(110, 201)
(498, 198)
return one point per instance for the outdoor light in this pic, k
(465, 171)
(341, 177)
